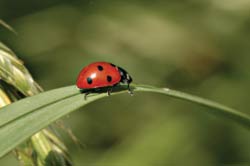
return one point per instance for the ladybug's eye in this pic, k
(109, 78)
(100, 68)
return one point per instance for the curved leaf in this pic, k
(25, 117)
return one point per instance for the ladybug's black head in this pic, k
(125, 77)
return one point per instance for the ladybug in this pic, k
(102, 76)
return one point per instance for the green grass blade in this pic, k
(30, 104)
(216, 108)
(15, 77)
(22, 119)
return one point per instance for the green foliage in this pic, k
(199, 47)
(22, 119)
(17, 83)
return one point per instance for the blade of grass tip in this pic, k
(215, 107)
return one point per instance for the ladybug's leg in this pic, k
(85, 95)
(109, 91)
(130, 91)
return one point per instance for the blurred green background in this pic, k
(197, 46)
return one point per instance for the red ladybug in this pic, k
(102, 76)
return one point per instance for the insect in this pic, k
(102, 76)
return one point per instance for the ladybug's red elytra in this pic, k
(102, 75)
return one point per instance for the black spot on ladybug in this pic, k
(112, 65)
(109, 78)
(89, 80)
(100, 68)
